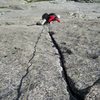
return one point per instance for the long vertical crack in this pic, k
(19, 92)
(72, 90)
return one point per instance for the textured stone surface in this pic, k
(79, 41)
(61, 65)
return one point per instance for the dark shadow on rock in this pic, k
(52, 33)
(94, 55)
(98, 17)
(66, 50)
(5, 56)
(38, 23)
(63, 43)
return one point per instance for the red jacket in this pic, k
(53, 18)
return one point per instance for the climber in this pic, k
(49, 18)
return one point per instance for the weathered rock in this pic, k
(83, 63)
(94, 92)
(63, 64)
(29, 67)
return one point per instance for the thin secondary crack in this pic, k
(21, 82)
(27, 70)
(36, 46)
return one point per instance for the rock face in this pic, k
(58, 64)
(94, 92)
(79, 42)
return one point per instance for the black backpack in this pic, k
(45, 16)
(52, 14)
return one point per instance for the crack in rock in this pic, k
(21, 82)
(73, 91)
(19, 92)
